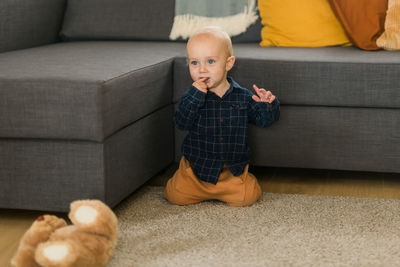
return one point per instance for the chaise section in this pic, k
(83, 120)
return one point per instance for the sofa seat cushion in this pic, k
(83, 90)
(328, 76)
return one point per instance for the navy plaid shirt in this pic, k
(218, 128)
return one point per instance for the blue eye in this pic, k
(195, 63)
(211, 61)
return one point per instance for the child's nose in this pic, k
(203, 68)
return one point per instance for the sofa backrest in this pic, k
(28, 23)
(118, 19)
(149, 20)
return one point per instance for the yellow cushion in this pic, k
(309, 23)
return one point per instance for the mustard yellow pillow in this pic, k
(309, 23)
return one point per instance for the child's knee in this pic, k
(253, 193)
(170, 194)
(176, 197)
(253, 196)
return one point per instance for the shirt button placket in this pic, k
(221, 120)
(220, 140)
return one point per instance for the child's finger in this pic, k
(272, 98)
(200, 85)
(256, 98)
(256, 89)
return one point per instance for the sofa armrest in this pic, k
(27, 23)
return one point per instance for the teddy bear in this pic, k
(89, 241)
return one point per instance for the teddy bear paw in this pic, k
(39, 232)
(93, 216)
(85, 214)
(55, 253)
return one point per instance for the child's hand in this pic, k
(201, 85)
(263, 95)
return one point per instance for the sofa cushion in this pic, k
(390, 39)
(327, 76)
(363, 21)
(83, 90)
(302, 23)
(118, 19)
(26, 23)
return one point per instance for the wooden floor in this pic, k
(13, 223)
(316, 182)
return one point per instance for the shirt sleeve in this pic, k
(263, 114)
(188, 107)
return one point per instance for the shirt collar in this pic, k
(233, 85)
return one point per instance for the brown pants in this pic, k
(184, 188)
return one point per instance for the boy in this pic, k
(215, 110)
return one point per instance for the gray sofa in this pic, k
(88, 89)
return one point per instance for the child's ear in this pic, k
(230, 62)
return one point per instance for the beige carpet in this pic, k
(279, 230)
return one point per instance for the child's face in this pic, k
(208, 58)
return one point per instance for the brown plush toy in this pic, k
(90, 241)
